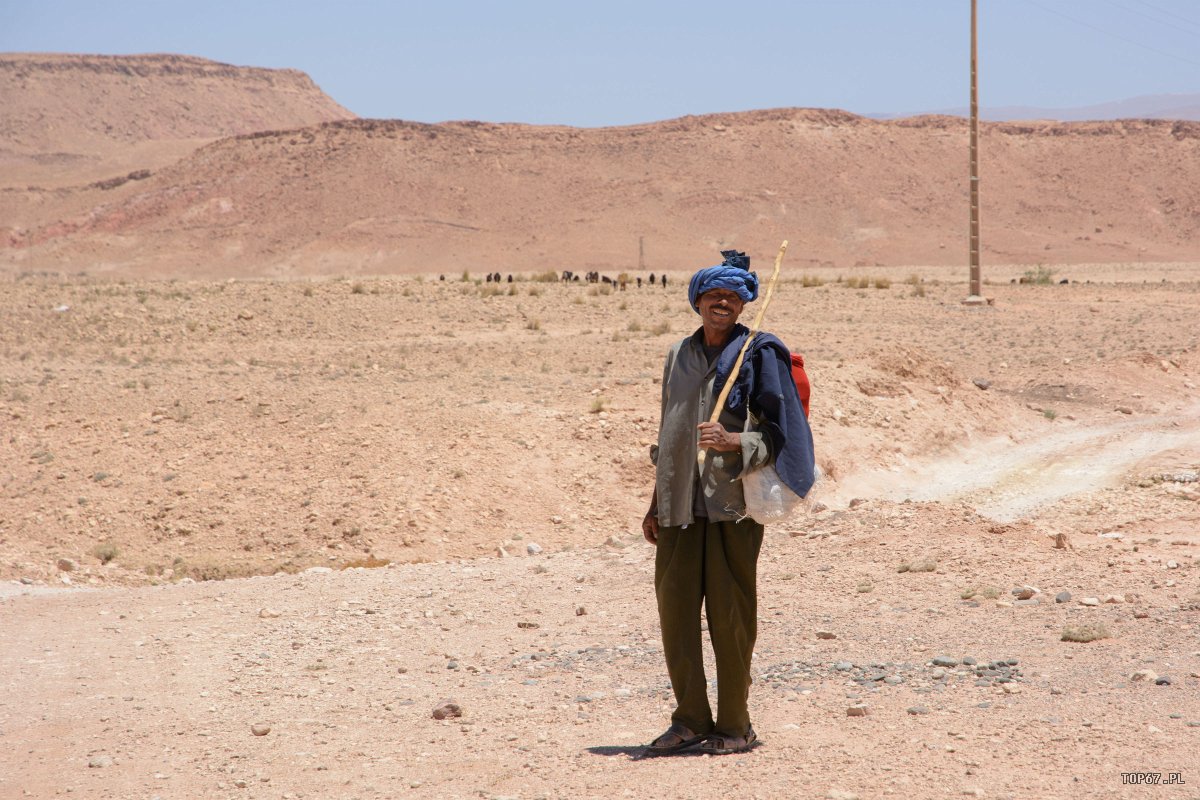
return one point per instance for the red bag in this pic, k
(801, 379)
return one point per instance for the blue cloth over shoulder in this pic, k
(733, 274)
(766, 379)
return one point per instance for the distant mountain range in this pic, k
(1150, 106)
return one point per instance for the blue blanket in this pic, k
(766, 378)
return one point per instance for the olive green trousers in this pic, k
(714, 564)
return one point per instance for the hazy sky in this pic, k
(623, 61)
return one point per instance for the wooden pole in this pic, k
(975, 292)
(737, 365)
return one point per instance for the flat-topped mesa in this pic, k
(148, 65)
(81, 105)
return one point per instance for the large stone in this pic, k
(447, 711)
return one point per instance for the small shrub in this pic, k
(865, 587)
(661, 328)
(918, 291)
(549, 276)
(598, 404)
(358, 288)
(466, 276)
(925, 565)
(882, 283)
(913, 279)
(1041, 275)
(105, 552)
(1085, 633)
(809, 281)
(533, 325)
(535, 291)
(981, 592)
(1050, 414)
(634, 326)
(512, 290)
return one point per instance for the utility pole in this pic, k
(975, 293)
(641, 253)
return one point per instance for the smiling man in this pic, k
(707, 547)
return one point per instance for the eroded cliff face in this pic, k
(92, 113)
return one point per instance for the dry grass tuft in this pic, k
(370, 562)
(925, 565)
(1085, 633)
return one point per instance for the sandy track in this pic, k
(1008, 480)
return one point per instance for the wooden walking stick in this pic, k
(737, 365)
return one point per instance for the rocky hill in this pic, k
(368, 196)
(68, 117)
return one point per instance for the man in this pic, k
(707, 547)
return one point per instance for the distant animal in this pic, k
(509, 277)
(567, 275)
(623, 280)
(1063, 282)
(651, 278)
(606, 279)
(496, 277)
(489, 277)
(441, 277)
(639, 281)
(664, 281)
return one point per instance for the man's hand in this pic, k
(650, 527)
(713, 436)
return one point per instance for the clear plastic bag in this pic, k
(768, 499)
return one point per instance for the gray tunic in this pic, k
(687, 400)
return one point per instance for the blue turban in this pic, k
(733, 273)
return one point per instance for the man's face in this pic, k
(720, 308)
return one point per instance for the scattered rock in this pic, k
(1090, 601)
(1062, 597)
(945, 661)
(260, 729)
(857, 501)
(99, 762)
(1123, 410)
(268, 613)
(917, 711)
(858, 710)
(982, 383)
(580, 611)
(826, 635)
(1024, 592)
(527, 625)
(447, 711)
(533, 548)
(67, 565)
(1162, 680)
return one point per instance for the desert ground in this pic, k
(294, 503)
(330, 506)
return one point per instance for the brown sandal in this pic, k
(723, 744)
(674, 739)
